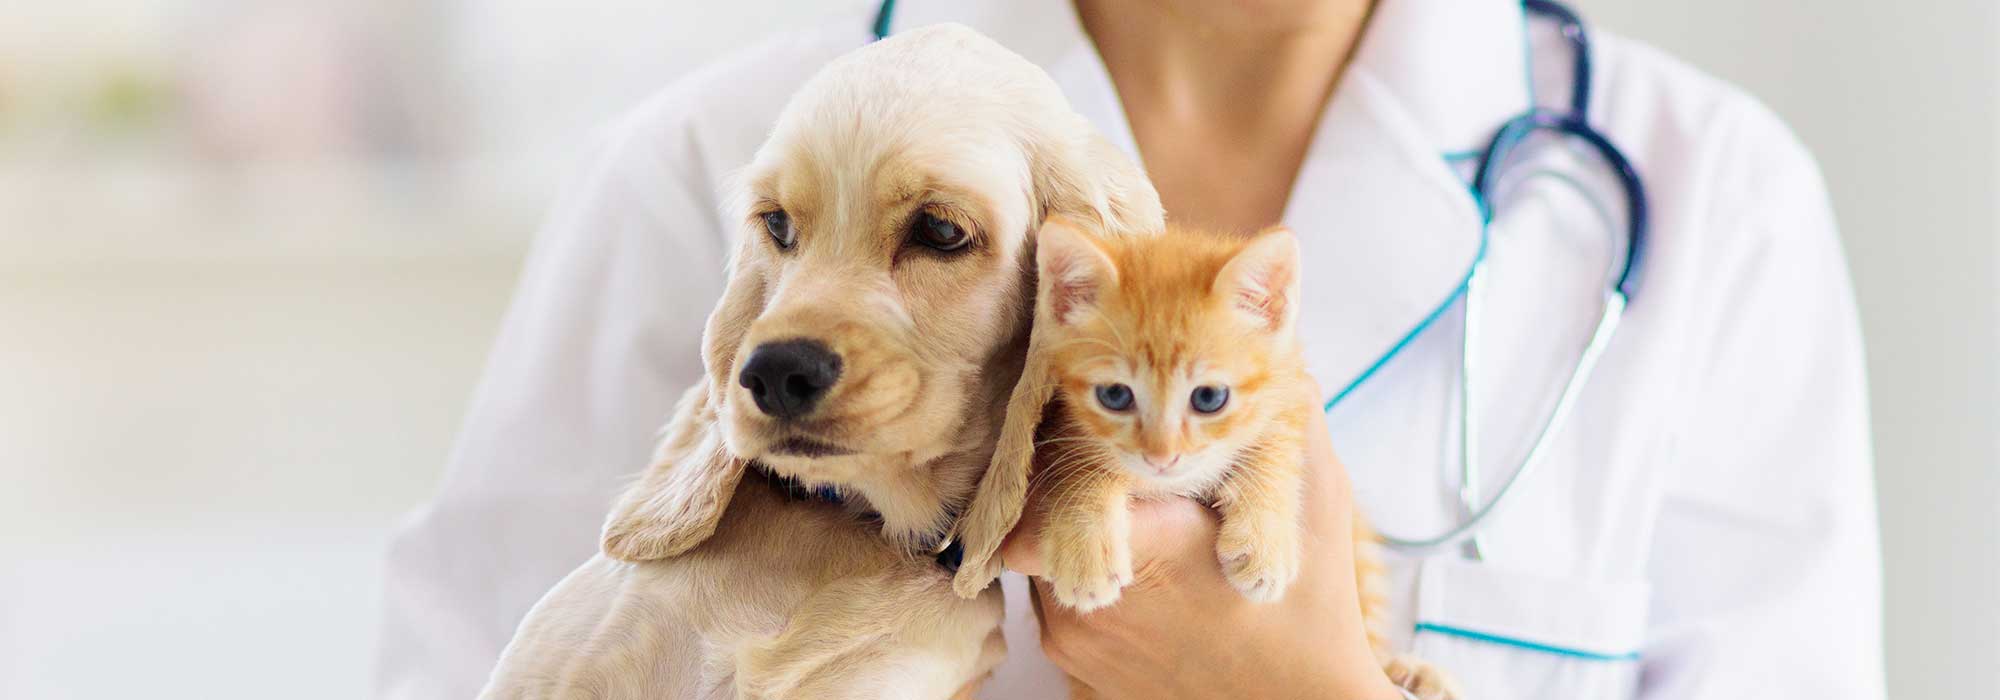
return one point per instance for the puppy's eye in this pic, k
(1114, 397)
(779, 224)
(1208, 399)
(935, 232)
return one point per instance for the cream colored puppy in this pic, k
(876, 318)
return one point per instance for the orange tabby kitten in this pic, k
(1177, 374)
(1168, 366)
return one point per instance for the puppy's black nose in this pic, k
(786, 378)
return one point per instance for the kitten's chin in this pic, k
(1192, 475)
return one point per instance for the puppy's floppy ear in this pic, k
(1085, 177)
(1072, 273)
(680, 499)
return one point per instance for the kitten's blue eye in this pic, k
(1209, 399)
(1114, 397)
(779, 224)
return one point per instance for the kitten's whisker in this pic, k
(1086, 340)
(1070, 471)
(1092, 478)
(1061, 463)
(1123, 347)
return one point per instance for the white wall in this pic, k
(226, 374)
(202, 462)
(1898, 101)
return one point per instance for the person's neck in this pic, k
(1226, 65)
(1223, 98)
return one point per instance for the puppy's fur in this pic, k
(714, 585)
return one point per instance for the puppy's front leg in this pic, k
(1260, 543)
(1086, 537)
(823, 644)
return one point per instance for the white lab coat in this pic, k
(1704, 528)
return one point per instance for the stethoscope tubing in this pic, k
(1600, 338)
(1618, 294)
(1517, 130)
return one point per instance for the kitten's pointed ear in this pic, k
(1072, 270)
(1262, 280)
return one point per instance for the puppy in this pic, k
(876, 315)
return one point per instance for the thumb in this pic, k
(1174, 529)
(1022, 550)
(1162, 529)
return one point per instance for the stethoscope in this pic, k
(1617, 295)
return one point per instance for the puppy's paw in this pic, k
(1260, 562)
(1088, 577)
(1422, 679)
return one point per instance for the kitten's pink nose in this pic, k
(1162, 463)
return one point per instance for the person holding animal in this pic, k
(1698, 524)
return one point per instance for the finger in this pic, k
(1061, 628)
(1329, 501)
(1330, 517)
(1173, 529)
(1022, 550)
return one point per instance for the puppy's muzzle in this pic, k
(787, 378)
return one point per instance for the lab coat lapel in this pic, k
(1388, 230)
(1387, 234)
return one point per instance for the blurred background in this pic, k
(252, 254)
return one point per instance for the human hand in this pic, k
(1180, 630)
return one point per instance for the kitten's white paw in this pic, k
(1088, 595)
(1090, 577)
(1260, 571)
(1422, 679)
(1255, 580)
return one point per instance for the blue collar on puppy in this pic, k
(794, 490)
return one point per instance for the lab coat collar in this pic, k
(1457, 67)
(1388, 230)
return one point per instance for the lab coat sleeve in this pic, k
(602, 336)
(1766, 566)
